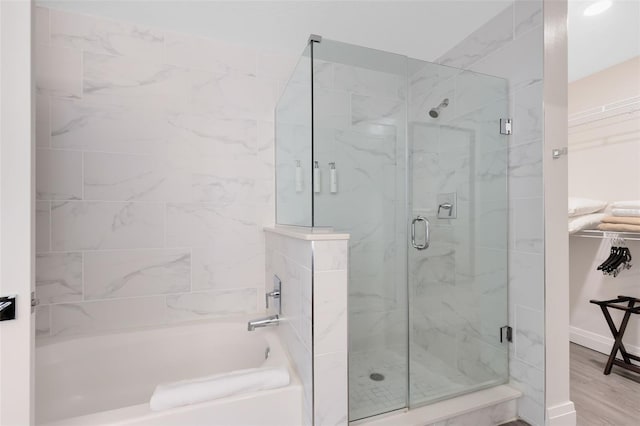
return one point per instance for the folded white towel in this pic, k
(631, 204)
(589, 221)
(185, 392)
(582, 206)
(626, 212)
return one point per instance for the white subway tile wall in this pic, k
(154, 174)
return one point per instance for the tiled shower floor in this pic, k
(431, 379)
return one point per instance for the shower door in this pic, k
(457, 259)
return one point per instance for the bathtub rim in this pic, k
(140, 412)
(52, 340)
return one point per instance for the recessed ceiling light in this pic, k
(597, 7)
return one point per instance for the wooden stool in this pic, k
(632, 307)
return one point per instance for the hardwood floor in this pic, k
(612, 400)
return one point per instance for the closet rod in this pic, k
(607, 107)
(571, 126)
(594, 233)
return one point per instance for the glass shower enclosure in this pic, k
(407, 157)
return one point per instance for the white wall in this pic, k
(603, 164)
(605, 147)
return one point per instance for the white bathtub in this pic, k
(109, 379)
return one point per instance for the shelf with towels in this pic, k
(594, 233)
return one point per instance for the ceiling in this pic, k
(598, 42)
(420, 29)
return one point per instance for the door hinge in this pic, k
(506, 126)
(509, 334)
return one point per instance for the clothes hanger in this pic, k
(612, 255)
(620, 261)
(616, 261)
(623, 263)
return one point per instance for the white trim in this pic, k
(16, 210)
(561, 415)
(307, 234)
(597, 342)
(443, 410)
(560, 410)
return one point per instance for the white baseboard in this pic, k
(561, 415)
(597, 342)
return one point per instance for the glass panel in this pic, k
(458, 182)
(359, 119)
(293, 147)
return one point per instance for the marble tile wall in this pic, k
(154, 174)
(293, 150)
(314, 320)
(511, 46)
(330, 332)
(359, 123)
(291, 260)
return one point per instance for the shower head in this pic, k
(435, 112)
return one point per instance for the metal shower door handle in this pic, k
(425, 245)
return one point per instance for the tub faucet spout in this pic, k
(270, 321)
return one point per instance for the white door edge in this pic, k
(16, 211)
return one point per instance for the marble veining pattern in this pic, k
(106, 109)
(59, 277)
(492, 36)
(511, 47)
(59, 175)
(136, 273)
(149, 178)
(104, 36)
(291, 261)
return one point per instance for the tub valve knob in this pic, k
(276, 294)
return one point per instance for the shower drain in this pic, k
(377, 377)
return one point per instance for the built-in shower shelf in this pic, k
(594, 233)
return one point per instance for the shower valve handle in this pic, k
(274, 294)
(446, 206)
